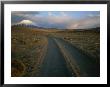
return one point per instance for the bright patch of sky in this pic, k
(74, 14)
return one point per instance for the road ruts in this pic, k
(54, 64)
(64, 60)
(87, 65)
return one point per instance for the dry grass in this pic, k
(27, 46)
(87, 41)
(18, 68)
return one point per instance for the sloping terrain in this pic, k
(28, 47)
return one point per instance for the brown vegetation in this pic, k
(18, 68)
(87, 41)
(27, 46)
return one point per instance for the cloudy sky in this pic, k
(58, 19)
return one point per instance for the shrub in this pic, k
(17, 68)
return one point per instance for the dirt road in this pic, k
(64, 60)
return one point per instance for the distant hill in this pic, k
(96, 29)
(26, 26)
(55, 29)
(89, 29)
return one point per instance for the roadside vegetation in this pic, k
(28, 47)
(88, 41)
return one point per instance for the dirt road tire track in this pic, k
(69, 60)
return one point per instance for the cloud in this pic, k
(85, 23)
(63, 13)
(92, 15)
(61, 20)
(51, 19)
(17, 16)
(50, 14)
(25, 22)
(25, 12)
(16, 19)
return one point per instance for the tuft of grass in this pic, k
(17, 68)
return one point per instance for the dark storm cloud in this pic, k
(25, 12)
(17, 16)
